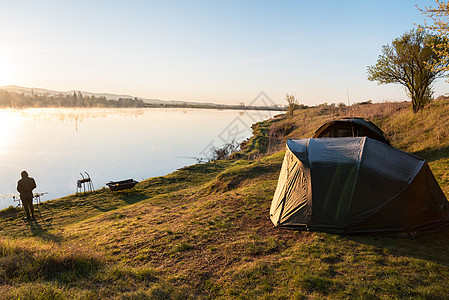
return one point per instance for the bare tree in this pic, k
(292, 104)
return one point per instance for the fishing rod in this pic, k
(198, 159)
(15, 197)
(37, 198)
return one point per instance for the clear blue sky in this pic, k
(215, 51)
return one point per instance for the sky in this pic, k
(205, 51)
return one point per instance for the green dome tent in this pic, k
(351, 127)
(356, 185)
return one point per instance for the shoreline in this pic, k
(218, 107)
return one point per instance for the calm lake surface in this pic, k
(56, 145)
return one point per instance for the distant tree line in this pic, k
(77, 99)
(11, 99)
(216, 106)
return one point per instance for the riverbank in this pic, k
(110, 144)
(204, 232)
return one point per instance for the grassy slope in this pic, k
(204, 231)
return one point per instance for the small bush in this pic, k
(223, 152)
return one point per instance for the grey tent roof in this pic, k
(356, 185)
(351, 127)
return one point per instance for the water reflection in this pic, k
(56, 144)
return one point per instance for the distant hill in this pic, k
(40, 91)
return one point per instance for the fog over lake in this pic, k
(56, 145)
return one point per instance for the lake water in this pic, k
(56, 145)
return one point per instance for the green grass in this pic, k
(204, 232)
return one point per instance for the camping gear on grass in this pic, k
(351, 127)
(121, 185)
(356, 185)
(82, 183)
